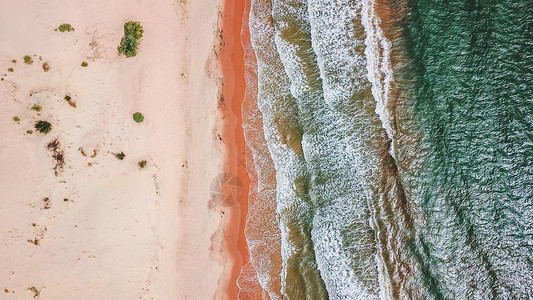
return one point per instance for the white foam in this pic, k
(380, 72)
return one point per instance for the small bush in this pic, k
(10, 69)
(142, 164)
(138, 117)
(65, 27)
(14, 61)
(46, 67)
(36, 108)
(43, 126)
(28, 60)
(133, 32)
(120, 155)
(58, 154)
(29, 131)
(84, 64)
(16, 119)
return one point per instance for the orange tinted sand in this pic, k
(258, 221)
(232, 60)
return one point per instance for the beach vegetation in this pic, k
(46, 67)
(43, 126)
(34, 289)
(120, 155)
(10, 69)
(133, 32)
(29, 131)
(16, 119)
(36, 243)
(142, 164)
(36, 108)
(138, 117)
(28, 60)
(84, 64)
(57, 154)
(14, 61)
(65, 27)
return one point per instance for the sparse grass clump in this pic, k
(59, 155)
(28, 60)
(36, 243)
(120, 155)
(84, 64)
(29, 131)
(133, 32)
(36, 108)
(43, 126)
(46, 67)
(65, 27)
(69, 100)
(142, 164)
(138, 117)
(34, 289)
(10, 69)
(16, 119)
(14, 61)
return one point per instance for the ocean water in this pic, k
(390, 149)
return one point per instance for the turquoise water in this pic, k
(472, 74)
(403, 164)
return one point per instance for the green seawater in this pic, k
(470, 75)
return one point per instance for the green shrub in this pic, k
(29, 131)
(120, 155)
(16, 119)
(43, 126)
(28, 60)
(14, 61)
(65, 27)
(138, 117)
(36, 108)
(68, 98)
(10, 69)
(133, 32)
(84, 64)
(142, 164)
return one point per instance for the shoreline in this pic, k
(233, 91)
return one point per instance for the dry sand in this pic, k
(105, 228)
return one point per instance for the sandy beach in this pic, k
(77, 222)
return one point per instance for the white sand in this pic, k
(124, 233)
